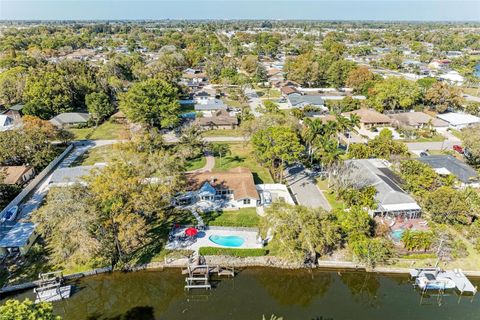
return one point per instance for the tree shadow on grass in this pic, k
(229, 160)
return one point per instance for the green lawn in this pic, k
(196, 163)
(456, 133)
(106, 131)
(436, 138)
(223, 133)
(244, 217)
(95, 155)
(242, 156)
(232, 103)
(329, 195)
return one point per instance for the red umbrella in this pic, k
(191, 232)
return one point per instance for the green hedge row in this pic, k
(215, 251)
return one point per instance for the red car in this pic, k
(458, 149)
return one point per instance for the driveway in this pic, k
(444, 145)
(304, 189)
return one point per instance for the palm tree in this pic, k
(354, 123)
(312, 129)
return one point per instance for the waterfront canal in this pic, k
(291, 294)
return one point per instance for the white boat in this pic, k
(430, 282)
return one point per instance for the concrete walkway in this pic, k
(209, 165)
(302, 183)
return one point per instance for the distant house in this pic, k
(298, 100)
(439, 64)
(370, 118)
(69, 119)
(452, 77)
(6, 122)
(18, 239)
(391, 198)
(14, 112)
(286, 90)
(446, 164)
(233, 188)
(16, 175)
(416, 120)
(210, 105)
(458, 120)
(220, 120)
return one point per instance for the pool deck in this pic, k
(202, 240)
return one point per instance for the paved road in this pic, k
(254, 101)
(171, 138)
(302, 183)
(209, 164)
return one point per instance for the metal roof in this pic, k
(459, 169)
(18, 236)
(297, 99)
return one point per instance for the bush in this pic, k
(214, 251)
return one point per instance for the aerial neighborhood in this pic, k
(299, 144)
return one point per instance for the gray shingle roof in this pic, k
(298, 100)
(390, 196)
(459, 169)
(70, 118)
(214, 104)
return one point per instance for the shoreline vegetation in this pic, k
(236, 262)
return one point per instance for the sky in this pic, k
(383, 10)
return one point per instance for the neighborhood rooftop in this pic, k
(390, 196)
(445, 164)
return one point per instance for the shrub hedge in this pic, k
(215, 251)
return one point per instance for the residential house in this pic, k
(391, 199)
(298, 100)
(211, 105)
(234, 188)
(286, 90)
(15, 112)
(439, 64)
(18, 239)
(446, 164)
(220, 120)
(18, 175)
(416, 120)
(458, 120)
(69, 119)
(452, 77)
(370, 118)
(6, 122)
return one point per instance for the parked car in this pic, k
(458, 148)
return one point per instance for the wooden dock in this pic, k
(198, 276)
(53, 294)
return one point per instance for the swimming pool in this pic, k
(397, 235)
(227, 241)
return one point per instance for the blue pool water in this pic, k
(227, 241)
(397, 235)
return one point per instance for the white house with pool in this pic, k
(234, 188)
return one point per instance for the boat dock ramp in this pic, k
(50, 288)
(198, 276)
(462, 284)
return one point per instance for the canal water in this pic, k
(291, 294)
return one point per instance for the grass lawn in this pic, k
(196, 163)
(95, 155)
(456, 133)
(223, 133)
(472, 91)
(436, 138)
(244, 217)
(242, 156)
(329, 195)
(106, 131)
(232, 103)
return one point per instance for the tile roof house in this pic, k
(446, 164)
(416, 120)
(235, 187)
(220, 120)
(18, 175)
(370, 118)
(68, 119)
(286, 90)
(391, 198)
